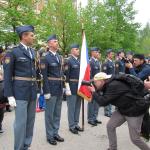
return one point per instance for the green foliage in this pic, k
(144, 40)
(107, 25)
(14, 13)
(110, 25)
(60, 17)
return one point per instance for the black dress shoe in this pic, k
(58, 138)
(79, 129)
(1, 130)
(98, 122)
(52, 141)
(73, 130)
(92, 123)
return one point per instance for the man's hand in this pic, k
(91, 89)
(147, 84)
(47, 96)
(129, 65)
(38, 95)
(147, 97)
(12, 101)
(68, 91)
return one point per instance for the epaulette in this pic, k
(9, 50)
(12, 48)
(44, 54)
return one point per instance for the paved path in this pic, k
(93, 138)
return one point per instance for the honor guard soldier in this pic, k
(120, 63)
(93, 107)
(20, 86)
(109, 68)
(72, 70)
(51, 68)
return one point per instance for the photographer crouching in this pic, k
(122, 91)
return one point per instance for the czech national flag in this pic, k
(84, 71)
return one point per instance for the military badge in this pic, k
(42, 66)
(7, 60)
(117, 65)
(104, 68)
(66, 67)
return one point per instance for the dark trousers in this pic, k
(1, 117)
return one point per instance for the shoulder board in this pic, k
(44, 54)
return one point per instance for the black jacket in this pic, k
(119, 94)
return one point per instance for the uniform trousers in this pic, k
(52, 116)
(24, 124)
(74, 106)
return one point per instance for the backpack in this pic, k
(136, 84)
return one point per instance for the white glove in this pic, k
(47, 96)
(38, 95)
(68, 91)
(12, 101)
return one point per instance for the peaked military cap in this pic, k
(129, 53)
(74, 46)
(95, 49)
(26, 28)
(52, 37)
(109, 50)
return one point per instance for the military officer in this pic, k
(109, 68)
(93, 107)
(51, 67)
(73, 100)
(20, 86)
(120, 63)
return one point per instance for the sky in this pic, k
(143, 11)
(143, 8)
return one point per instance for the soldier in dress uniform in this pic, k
(120, 63)
(93, 107)
(109, 68)
(72, 70)
(51, 68)
(20, 86)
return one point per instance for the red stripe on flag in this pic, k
(83, 91)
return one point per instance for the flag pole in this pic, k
(82, 100)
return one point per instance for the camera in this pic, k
(126, 60)
(87, 83)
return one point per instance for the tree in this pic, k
(144, 40)
(60, 17)
(121, 16)
(110, 24)
(15, 13)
